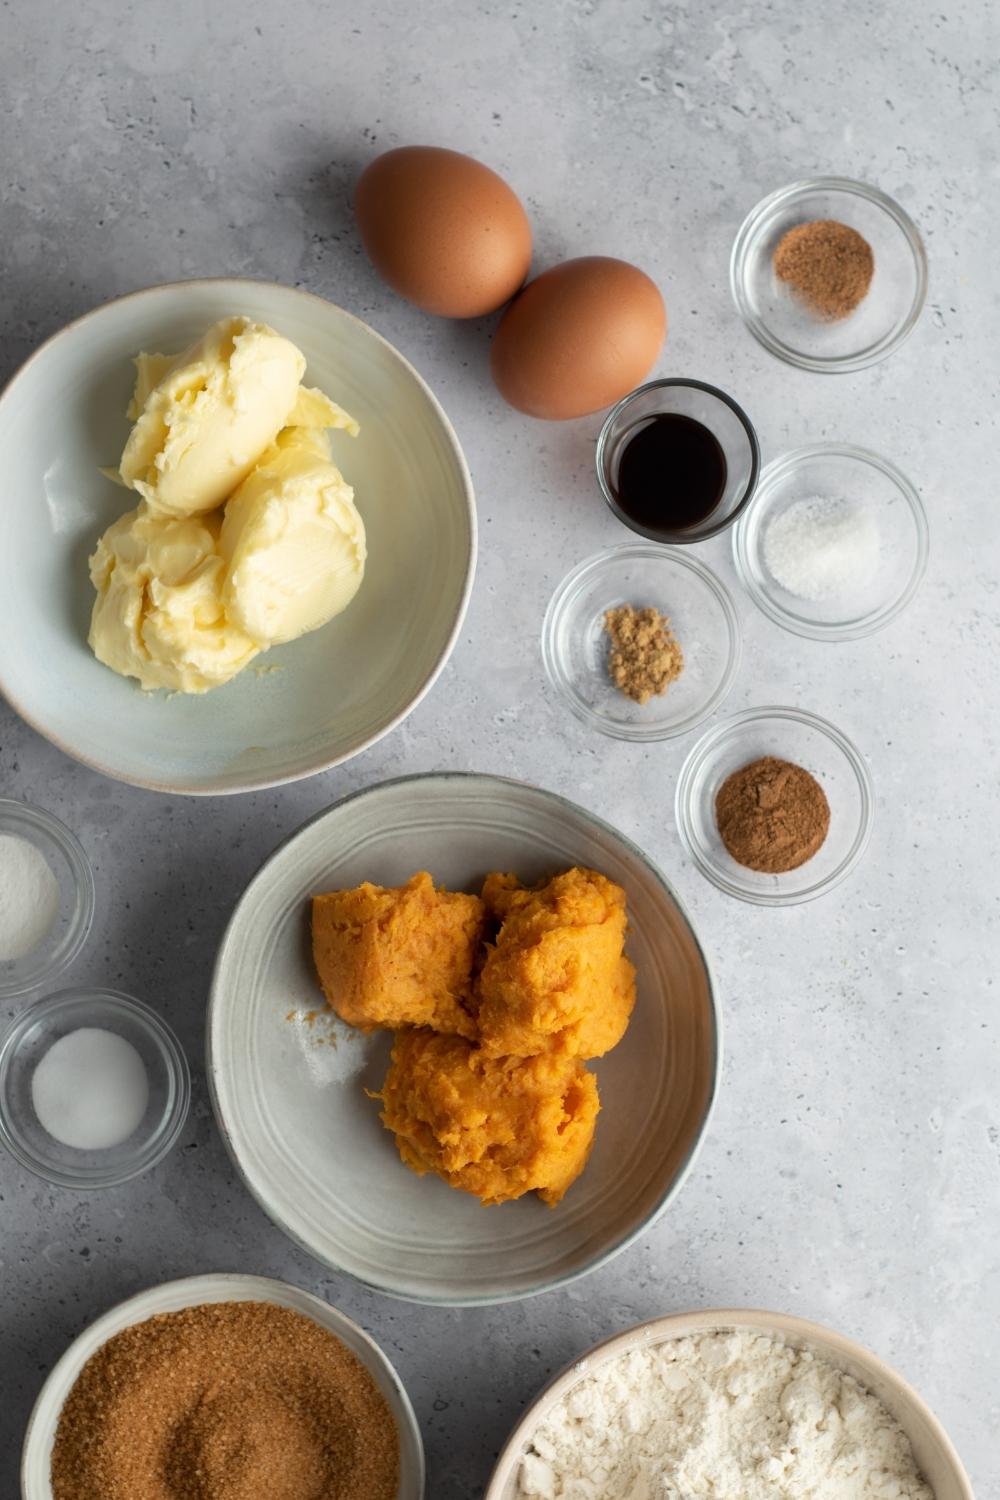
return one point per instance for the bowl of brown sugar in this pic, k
(775, 806)
(641, 642)
(829, 274)
(223, 1387)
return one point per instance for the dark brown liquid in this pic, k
(671, 474)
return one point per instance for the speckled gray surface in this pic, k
(852, 1173)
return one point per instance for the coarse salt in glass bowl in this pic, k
(63, 853)
(836, 471)
(783, 324)
(805, 740)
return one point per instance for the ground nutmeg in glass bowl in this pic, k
(828, 265)
(772, 815)
(225, 1401)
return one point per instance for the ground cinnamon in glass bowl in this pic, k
(225, 1401)
(761, 826)
(772, 815)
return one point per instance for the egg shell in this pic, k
(578, 338)
(444, 231)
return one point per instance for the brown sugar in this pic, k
(828, 265)
(644, 657)
(226, 1401)
(771, 815)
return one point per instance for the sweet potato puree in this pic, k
(556, 979)
(496, 1002)
(399, 957)
(494, 1126)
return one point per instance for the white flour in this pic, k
(29, 897)
(725, 1416)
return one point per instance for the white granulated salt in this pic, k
(90, 1090)
(29, 897)
(737, 1416)
(821, 547)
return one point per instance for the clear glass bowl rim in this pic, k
(81, 921)
(679, 538)
(654, 553)
(684, 796)
(842, 364)
(175, 1061)
(817, 630)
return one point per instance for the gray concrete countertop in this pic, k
(852, 1173)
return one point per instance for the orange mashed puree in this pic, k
(497, 1127)
(556, 980)
(399, 956)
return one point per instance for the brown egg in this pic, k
(445, 232)
(578, 338)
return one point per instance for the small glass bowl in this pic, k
(702, 616)
(837, 470)
(727, 422)
(64, 855)
(783, 324)
(24, 1046)
(807, 741)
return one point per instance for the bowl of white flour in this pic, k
(735, 1405)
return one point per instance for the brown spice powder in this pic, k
(828, 265)
(772, 815)
(644, 657)
(227, 1401)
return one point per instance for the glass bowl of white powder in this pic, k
(94, 1088)
(736, 1404)
(834, 544)
(46, 897)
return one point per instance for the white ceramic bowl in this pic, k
(290, 1096)
(194, 1291)
(932, 1448)
(334, 692)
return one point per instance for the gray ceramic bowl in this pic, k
(289, 1084)
(315, 702)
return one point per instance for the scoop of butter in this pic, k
(159, 615)
(203, 419)
(292, 540)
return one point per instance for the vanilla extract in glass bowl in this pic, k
(677, 461)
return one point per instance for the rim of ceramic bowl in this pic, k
(41, 820)
(175, 1062)
(847, 630)
(679, 538)
(842, 364)
(691, 1155)
(702, 752)
(795, 1330)
(264, 1288)
(551, 657)
(265, 783)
